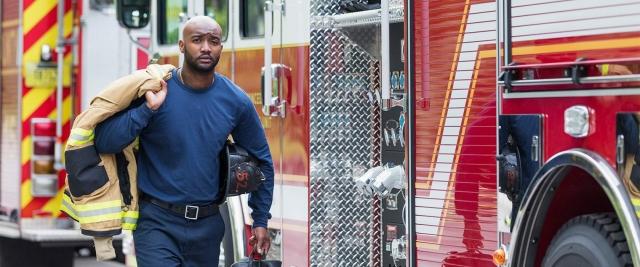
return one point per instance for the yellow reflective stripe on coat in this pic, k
(636, 204)
(136, 143)
(605, 69)
(129, 226)
(130, 220)
(100, 212)
(100, 218)
(68, 207)
(97, 212)
(99, 205)
(80, 136)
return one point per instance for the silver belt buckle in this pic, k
(191, 212)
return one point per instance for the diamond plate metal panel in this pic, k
(323, 8)
(342, 143)
(368, 37)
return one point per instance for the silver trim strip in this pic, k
(19, 65)
(506, 24)
(499, 7)
(411, 100)
(60, 49)
(608, 79)
(585, 80)
(606, 177)
(385, 68)
(368, 17)
(573, 93)
(236, 219)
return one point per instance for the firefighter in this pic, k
(182, 129)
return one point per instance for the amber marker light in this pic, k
(499, 257)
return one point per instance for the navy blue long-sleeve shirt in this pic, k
(181, 141)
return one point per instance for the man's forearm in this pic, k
(260, 203)
(115, 133)
(250, 135)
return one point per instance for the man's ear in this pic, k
(181, 46)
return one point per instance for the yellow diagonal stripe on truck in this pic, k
(50, 37)
(66, 111)
(35, 97)
(26, 150)
(35, 12)
(25, 193)
(53, 205)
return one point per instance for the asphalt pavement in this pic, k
(91, 262)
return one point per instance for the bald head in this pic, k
(201, 23)
(201, 44)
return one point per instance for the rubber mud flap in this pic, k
(85, 173)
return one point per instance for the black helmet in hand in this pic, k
(239, 171)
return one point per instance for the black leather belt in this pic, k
(191, 212)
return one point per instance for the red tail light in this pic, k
(44, 128)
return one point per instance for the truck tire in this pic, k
(227, 240)
(589, 240)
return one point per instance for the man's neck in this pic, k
(196, 79)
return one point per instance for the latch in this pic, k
(535, 148)
(620, 149)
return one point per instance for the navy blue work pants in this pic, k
(164, 238)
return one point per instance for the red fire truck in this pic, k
(550, 89)
(506, 110)
(404, 133)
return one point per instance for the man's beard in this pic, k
(193, 63)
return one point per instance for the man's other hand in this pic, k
(155, 99)
(260, 241)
